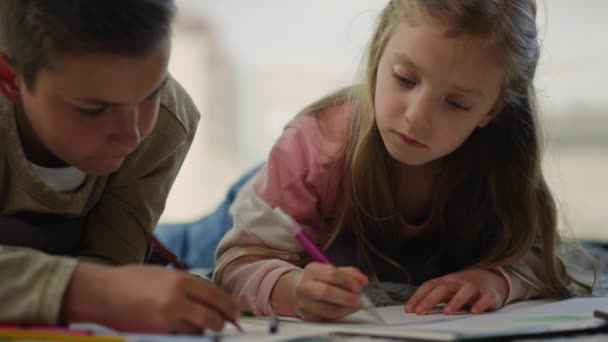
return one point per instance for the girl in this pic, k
(428, 172)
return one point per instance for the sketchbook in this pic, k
(537, 317)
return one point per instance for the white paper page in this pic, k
(255, 330)
(395, 315)
(524, 317)
(576, 313)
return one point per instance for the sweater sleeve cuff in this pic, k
(268, 284)
(56, 280)
(510, 297)
(251, 284)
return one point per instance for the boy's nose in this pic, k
(127, 133)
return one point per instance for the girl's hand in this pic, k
(145, 299)
(483, 290)
(324, 292)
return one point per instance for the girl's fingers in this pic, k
(485, 303)
(461, 297)
(328, 293)
(323, 311)
(356, 275)
(437, 295)
(473, 287)
(419, 295)
(335, 276)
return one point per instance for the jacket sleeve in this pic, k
(33, 285)
(519, 276)
(290, 179)
(134, 198)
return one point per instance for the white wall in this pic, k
(251, 65)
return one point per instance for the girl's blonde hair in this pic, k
(491, 197)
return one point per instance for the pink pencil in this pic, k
(314, 251)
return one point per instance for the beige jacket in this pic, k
(120, 210)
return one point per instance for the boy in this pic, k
(93, 131)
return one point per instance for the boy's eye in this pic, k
(404, 80)
(91, 111)
(457, 105)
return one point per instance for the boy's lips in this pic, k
(410, 141)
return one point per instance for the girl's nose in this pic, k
(418, 110)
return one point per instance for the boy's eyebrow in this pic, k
(403, 58)
(108, 103)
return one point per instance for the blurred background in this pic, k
(251, 65)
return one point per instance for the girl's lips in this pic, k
(410, 141)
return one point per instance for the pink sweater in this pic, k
(301, 177)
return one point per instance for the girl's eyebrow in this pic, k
(93, 101)
(402, 58)
(469, 91)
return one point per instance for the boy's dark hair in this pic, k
(34, 32)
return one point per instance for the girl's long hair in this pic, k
(491, 203)
(491, 198)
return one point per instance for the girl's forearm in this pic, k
(282, 296)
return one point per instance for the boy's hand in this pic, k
(324, 292)
(145, 299)
(483, 290)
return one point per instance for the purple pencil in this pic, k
(317, 255)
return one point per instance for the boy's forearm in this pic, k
(84, 295)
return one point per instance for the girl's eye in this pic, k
(404, 81)
(91, 111)
(457, 105)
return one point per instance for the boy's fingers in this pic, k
(203, 316)
(184, 327)
(213, 297)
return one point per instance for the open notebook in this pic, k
(519, 319)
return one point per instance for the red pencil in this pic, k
(601, 314)
(165, 253)
(172, 259)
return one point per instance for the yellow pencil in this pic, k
(20, 334)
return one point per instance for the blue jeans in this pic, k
(194, 243)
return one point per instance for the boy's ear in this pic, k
(498, 107)
(8, 77)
